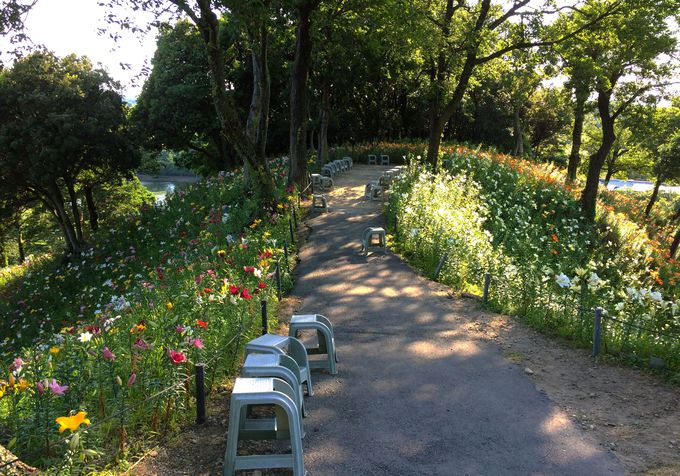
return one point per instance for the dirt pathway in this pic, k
(433, 385)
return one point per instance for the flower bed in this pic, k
(102, 350)
(516, 220)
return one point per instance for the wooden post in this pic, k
(487, 282)
(597, 331)
(263, 310)
(200, 393)
(292, 232)
(278, 279)
(285, 254)
(439, 266)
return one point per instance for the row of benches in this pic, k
(274, 371)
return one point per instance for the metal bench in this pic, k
(320, 201)
(374, 238)
(276, 344)
(325, 339)
(287, 424)
(279, 366)
(369, 187)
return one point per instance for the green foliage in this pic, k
(63, 128)
(511, 218)
(174, 282)
(175, 109)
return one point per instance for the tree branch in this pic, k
(511, 12)
(531, 44)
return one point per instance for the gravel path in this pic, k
(417, 392)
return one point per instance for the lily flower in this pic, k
(73, 422)
(176, 357)
(108, 355)
(57, 389)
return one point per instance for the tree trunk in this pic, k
(231, 125)
(324, 120)
(675, 244)
(517, 132)
(55, 201)
(75, 211)
(596, 161)
(608, 177)
(655, 195)
(91, 209)
(20, 242)
(258, 117)
(576, 134)
(437, 126)
(298, 95)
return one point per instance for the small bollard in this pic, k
(263, 312)
(200, 392)
(285, 254)
(277, 274)
(292, 233)
(439, 266)
(487, 282)
(597, 332)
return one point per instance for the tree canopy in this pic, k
(62, 129)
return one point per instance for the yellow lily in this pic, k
(73, 422)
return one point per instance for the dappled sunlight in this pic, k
(389, 292)
(356, 290)
(439, 350)
(556, 422)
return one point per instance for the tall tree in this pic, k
(205, 14)
(61, 120)
(657, 129)
(626, 44)
(12, 18)
(298, 91)
(175, 109)
(472, 34)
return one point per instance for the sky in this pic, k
(70, 26)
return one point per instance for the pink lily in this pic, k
(57, 389)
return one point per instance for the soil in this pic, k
(635, 415)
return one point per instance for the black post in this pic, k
(263, 309)
(285, 254)
(438, 269)
(487, 282)
(278, 279)
(200, 393)
(292, 233)
(295, 218)
(597, 331)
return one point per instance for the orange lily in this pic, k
(73, 422)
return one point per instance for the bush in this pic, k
(514, 219)
(115, 333)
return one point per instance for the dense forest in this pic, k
(585, 84)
